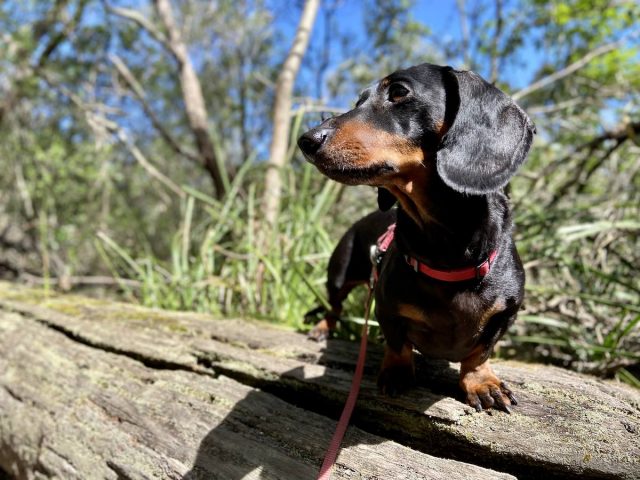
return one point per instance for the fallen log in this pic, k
(96, 389)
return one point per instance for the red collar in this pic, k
(458, 275)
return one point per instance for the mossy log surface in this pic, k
(96, 389)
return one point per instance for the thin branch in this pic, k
(546, 109)
(80, 281)
(146, 164)
(13, 95)
(496, 38)
(120, 135)
(192, 95)
(584, 173)
(317, 109)
(569, 69)
(193, 98)
(620, 134)
(142, 21)
(175, 43)
(464, 30)
(59, 37)
(138, 91)
(267, 82)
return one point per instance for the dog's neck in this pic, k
(444, 228)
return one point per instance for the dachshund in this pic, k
(444, 144)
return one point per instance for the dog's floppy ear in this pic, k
(488, 140)
(385, 199)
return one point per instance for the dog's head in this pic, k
(425, 117)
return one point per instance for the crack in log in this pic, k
(118, 470)
(13, 394)
(295, 392)
(68, 463)
(153, 363)
(450, 445)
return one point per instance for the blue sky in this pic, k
(440, 16)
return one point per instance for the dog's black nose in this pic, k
(311, 141)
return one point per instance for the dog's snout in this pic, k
(311, 141)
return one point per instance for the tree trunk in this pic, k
(281, 114)
(98, 389)
(192, 96)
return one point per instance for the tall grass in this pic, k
(579, 242)
(218, 261)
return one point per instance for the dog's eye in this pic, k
(397, 92)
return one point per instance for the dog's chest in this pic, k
(442, 321)
(437, 332)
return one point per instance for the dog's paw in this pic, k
(313, 315)
(320, 332)
(485, 391)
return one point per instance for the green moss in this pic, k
(63, 307)
(177, 328)
(23, 294)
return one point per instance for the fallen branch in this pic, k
(72, 281)
(166, 400)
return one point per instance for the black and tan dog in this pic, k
(444, 144)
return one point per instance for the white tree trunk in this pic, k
(281, 113)
(192, 95)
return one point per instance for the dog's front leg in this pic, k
(398, 371)
(483, 389)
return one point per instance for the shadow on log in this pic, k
(93, 389)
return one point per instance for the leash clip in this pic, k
(412, 262)
(375, 255)
(483, 269)
(479, 275)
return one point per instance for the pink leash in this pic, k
(343, 423)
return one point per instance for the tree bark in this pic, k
(192, 96)
(281, 114)
(73, 409)
(98, 389)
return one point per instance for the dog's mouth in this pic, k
(354, 175)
